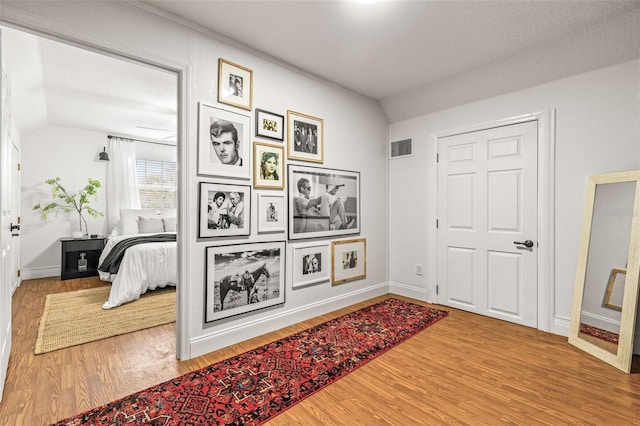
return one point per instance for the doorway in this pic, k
(84, 72)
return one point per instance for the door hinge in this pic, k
(18, 272)
(437, 157)
(19, 166)
(18, 219)
(437, 223)
(437, 288)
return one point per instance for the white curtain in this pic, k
(122, 187)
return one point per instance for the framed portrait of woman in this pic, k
(268, 166)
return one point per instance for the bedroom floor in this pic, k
(464, 369)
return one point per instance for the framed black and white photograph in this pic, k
(311, 263)
(225, 210)
(306, 137)
(269, 125)
(268, 165)
(349, 260)
(322, 202)
(243, 278)
(224, 143)
(235, 84)
(271, 213)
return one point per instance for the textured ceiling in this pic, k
(384, 48)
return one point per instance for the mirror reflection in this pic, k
(608, 251)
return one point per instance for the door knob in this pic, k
(527, 243)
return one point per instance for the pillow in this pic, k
(169, 224)
(129, 218)
(148, 225)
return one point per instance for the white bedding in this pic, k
(144, 267)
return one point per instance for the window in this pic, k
(157, 183)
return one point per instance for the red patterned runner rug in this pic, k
(253, 387)
(599, 333)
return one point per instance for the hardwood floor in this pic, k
(465, 369)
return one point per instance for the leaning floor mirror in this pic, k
(606, 289)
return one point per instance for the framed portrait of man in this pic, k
(322, 202)
(311, 263)
(224, 143)
(235, 84)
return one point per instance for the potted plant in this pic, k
(63, 200)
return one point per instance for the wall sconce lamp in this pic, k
(103, 156)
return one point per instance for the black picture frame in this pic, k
(335, 215)
(269, 125)
(226, 219)
(230, 292)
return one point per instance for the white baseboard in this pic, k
(232, 335)
(407, 290)
(561, 326)
(44, 272)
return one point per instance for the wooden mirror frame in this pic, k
(622, 358)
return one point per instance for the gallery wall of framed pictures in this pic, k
(301, 202)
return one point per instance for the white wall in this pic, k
(597, 131)
(71, 155)
(355, 139)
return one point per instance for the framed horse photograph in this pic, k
(242, 278)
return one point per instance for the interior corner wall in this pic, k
(355, 139)
(597, 131)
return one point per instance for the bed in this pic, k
(144, 265)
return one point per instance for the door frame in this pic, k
(57, 31)
(546, 208)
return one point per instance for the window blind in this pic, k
(157, 183)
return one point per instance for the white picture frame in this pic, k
(272, 216)
(311, 263)
(221, 220)
(212, 161)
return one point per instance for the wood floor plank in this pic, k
(465, 369)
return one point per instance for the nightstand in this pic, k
(74, 249)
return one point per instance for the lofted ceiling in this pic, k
(383, 50)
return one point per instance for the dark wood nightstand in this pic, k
(72, 249)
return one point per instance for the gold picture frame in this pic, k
(265, 157)
(305, 137)
(348, 260)
(615, 289)
(235, 84)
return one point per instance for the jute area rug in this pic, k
(253, 387)
(76, 317)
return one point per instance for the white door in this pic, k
(487, 203)
(5, 229)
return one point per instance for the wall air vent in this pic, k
(399, 149)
